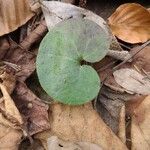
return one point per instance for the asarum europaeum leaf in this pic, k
(59, 67)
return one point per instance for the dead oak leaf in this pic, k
(33, 109)
(131, 23)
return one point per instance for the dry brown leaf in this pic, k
(33, 109)
(81, 123)
(10, 123)
(24, 59)
(13, 14)
(140, 125)
(131, 23)
(109, 105)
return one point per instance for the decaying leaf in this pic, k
(109, 104)
(140, 125)
(24, 59)
(132, 81)
(13, 14)
(59, 59)
(33, 109)
(10, 122)
(56, 144)
(81, 123)
(131, 23)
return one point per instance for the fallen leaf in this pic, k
(132, 81)
(56, 144)
(33, 109)
(13, 14)
(80, 123)
(109, 105)
(140, 125)
(131, 23)
(20, 55)
(24, 59)
(10, 122)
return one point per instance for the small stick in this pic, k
(135, 53)
(119, 55)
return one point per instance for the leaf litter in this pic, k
(66, 126)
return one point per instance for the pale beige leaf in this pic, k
(131, 23)
(140, 126)
(8, 80)
(132, 81)
(10, 122)
(81, 123)
(13, 14)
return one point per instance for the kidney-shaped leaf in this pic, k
(60, 57)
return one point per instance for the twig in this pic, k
(119, 55)
(125, 46)
(135, 53)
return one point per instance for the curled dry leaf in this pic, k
(13, 14)
(140, 125)
(8, 80)
(81, 123)
(10, 122)
(131, 23)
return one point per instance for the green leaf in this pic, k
(59, 59)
